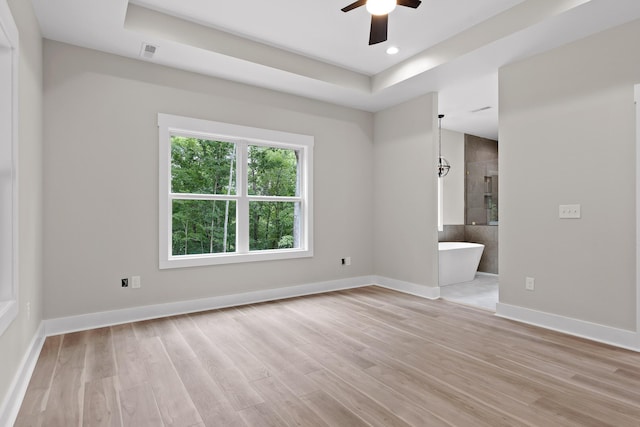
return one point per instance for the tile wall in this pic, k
(481, 180)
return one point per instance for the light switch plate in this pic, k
(569, 211)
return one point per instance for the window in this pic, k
(8, 163)
(232, 193)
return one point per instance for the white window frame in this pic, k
(8, 167)
(243, 136)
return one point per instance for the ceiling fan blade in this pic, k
(409, 3)
(378, 32)
(354, 5)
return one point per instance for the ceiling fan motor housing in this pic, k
(380, 10)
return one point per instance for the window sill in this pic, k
(232, 258)
(8, 312)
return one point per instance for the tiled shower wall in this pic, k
(481, 201)
(485, 234)
(481, 180)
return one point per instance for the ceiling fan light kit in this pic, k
(379, 10)
(380, 7)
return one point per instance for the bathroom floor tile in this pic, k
(480, 292)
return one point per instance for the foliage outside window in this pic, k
(232, 193)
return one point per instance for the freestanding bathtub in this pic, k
(458, 261)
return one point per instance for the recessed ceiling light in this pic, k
(393, 50)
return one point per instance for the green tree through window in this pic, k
(204, 167)
(273, 172)
(231, 193)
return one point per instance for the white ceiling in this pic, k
(311, 48)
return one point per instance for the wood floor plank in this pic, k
(139, 407)
(176, 407)
(357, 402)
(262, 415)
(366, 356)
(286, 404)
(172, 340)
(329, 409)
(209, 399)
(144, 329)
(129, 358)
(45, 367)
(219, 332)
(380, 392)
(64, 405)
(35, 400)
(100, 357)
(101, 403)
(222, 370)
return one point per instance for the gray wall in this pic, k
(101, 181)
(567, 135)
(15, 341)
(405, 209)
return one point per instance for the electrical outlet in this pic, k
(347, 260)
(530, 283)
(125, 282)
(343, 261)
(135, 282)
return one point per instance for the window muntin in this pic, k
(232, 193)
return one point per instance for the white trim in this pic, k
(482, 273)
(637, 108)
(242, 136)
(12, 401)
(82, 322)
(429, 292)
(9, 306)
(580, 328)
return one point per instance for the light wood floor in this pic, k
(353, 358)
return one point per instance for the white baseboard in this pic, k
(482, 273)
(429, 292)
(83, 322)
(11, 404)
(580, 328)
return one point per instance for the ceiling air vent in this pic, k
(148, 50)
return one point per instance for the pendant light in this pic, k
(443, 164)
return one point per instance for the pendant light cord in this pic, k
(440, 116)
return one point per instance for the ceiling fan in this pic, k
(379, 10)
